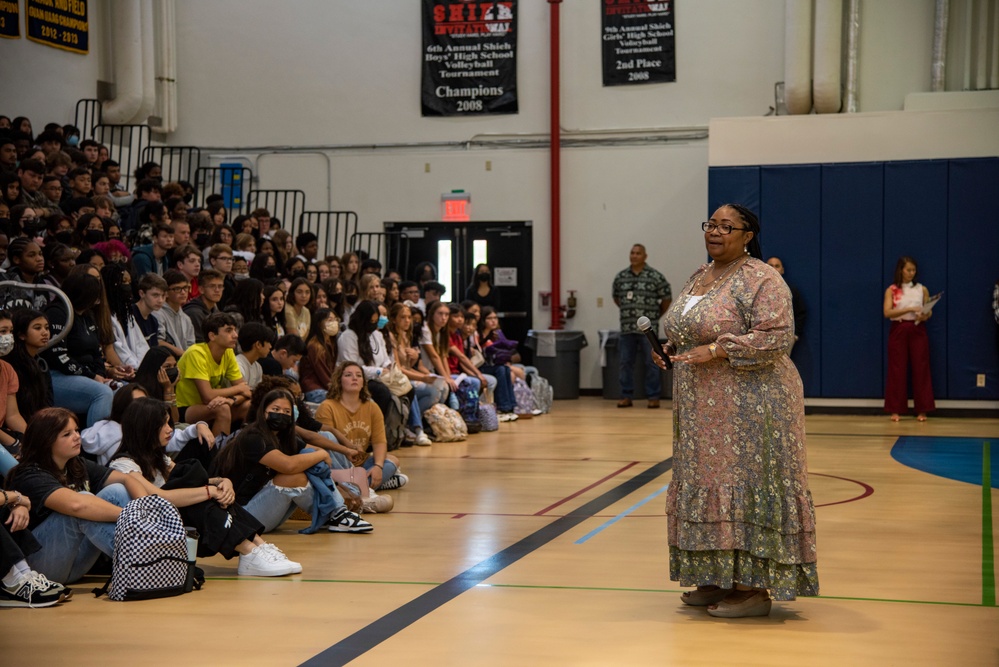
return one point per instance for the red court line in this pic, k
(868, 489)
(584, 490)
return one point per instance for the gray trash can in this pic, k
(556, 356)
(612, 369)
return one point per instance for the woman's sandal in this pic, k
(742, 604)
(705, 595)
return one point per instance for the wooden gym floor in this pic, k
(545, 544)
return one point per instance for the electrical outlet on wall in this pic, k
(980, 380)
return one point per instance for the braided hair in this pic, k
(755, 250)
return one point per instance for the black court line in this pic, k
(395, 621)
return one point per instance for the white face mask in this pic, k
(331, 328)
(6, 344)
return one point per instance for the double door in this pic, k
(456, 248)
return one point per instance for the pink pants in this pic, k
(908, 346)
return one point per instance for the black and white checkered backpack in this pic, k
(150, 552)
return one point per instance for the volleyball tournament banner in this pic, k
(10, 19)
(469, 58)
(59, 23)
(638, 42)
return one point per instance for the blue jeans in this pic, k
(7, 461)
(272, 505)
(427, 395)
(505, 401)
(71, 546)
(316, 395)
(628, 345)
(81, 395)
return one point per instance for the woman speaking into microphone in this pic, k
(740, 516)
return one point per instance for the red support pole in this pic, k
(556, 173)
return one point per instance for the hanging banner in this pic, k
(59, 23)
(469, 58)
(638, 42)
(10, 19)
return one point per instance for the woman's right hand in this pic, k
(163, 378)
(18, 519)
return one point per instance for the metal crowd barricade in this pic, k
(231, 181)
(389, 248)
(32, 287)
(179, 163)
(88, 114)
(285, 205)
(125, 145)
(334, 229)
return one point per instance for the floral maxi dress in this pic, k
(738, 507)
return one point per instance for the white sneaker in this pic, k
(263, 562)
(377, 504)
(423, 440)
(507, 417)
(279, 556)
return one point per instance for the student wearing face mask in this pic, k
(363, 343)
(269, 466)
(481, 290)
(316, 368)
(12, 424)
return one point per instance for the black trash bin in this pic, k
(611, 370)
(561, 370)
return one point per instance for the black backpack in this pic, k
(150, 553)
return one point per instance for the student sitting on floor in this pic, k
(75, 503)
(201, 395)
(267, 459)
(224, 527)
(255, 341)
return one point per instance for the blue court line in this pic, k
(620, 516)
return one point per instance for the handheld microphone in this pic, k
(645, 326)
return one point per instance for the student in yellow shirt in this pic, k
(201, 395)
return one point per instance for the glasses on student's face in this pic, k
(180, 288)
(723, 228)
(223, 258)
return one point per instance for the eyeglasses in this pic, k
(723, 228)
(224, 259)
(180, 288)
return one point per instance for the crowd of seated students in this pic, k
(201, 349)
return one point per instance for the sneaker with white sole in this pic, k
(279, 556)
(507, 417)
(29, 591)
(423, 440)
(263, 562)
(396, 481)
(377, 504)
(346, 521)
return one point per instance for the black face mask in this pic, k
(336, 298)
(93, 236)
(33, 227)
(172, 373)
(269, 272)
(63, 237)
(483, 277)
(278, 422)
(126, 291)
(201, 240)
(297, 274)
(351, 299)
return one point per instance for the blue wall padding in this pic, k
(840, 228)
(733, 185)
(851, 221)
(972, 271)
(789, 212)
(915, 204)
